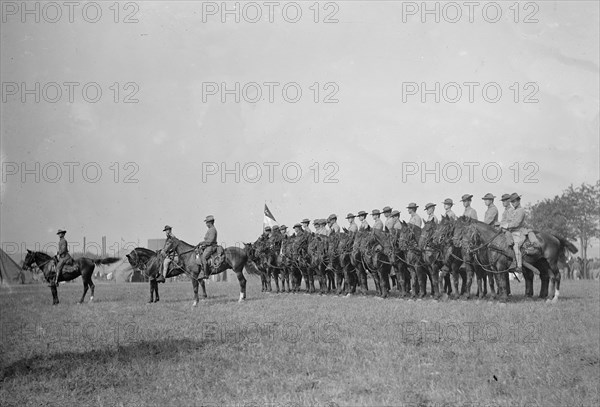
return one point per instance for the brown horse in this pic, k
(83, 267)
(451, 258)
(431, 256)
(499, 254)
(139, 258)
(340, 248)
(235, 259)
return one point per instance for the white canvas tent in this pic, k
(11, 273)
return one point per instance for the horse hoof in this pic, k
(195, 304)
(91, 299)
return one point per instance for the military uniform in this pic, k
(63, 254)
(416, 220)
(470, 212)
(491, 215)
(433, 218)
(363, 223)
(449, 212)
(378, 224)
(515, 225)
(209, 244)
(171, 241)
(390, 223)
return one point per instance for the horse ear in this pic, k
(28, 251)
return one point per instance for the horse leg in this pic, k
(434, 279)
(466, 295)
(54, 292)
(555, 281)
(85, 290)
(414, 282)
(340, 286)
(195, 284)
(154, 284)
(276, 278)
(422, 277)
(203, 288)
(242, 281)
(528, 276)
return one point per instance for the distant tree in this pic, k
(550, 215)
(584, 216)
(575, 215)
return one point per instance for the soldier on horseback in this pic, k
(63, 254)
(491, 214)
(516, 226)
(395, 215)
(305, 222)
(352, 227)
(207, 246)
(377, 224)
(448, 208)
(414, 218)
(430, 207)
(333, 226)
(283, 231)
(469, 212)
(170, 242)
(362, 217)
(298, 230)
(389, 221)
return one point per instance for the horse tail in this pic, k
(251, 268)
(565, 246)
(106, 260)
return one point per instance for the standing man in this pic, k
(469, 212)
(516, 225)
(171, 242)
(333, 226)
(63, 253)
(377, 223)
(430, 208)
(209, 244)
(352, 227)
(414, 218)
(491, 213)
(362, 218)
(448, 208)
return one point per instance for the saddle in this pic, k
(215, 260)
(531, 245)
(69, 267)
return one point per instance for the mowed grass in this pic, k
(295, 349)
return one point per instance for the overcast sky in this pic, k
(366, 150)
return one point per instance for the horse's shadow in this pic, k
(40, 367)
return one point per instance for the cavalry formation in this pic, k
(448, 254)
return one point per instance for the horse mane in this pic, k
(45, 255)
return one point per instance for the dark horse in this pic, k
(83, 267)
(140, 258)
(442, 241)
(498, 255)
(235, 259)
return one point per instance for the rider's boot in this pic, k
(203, 267)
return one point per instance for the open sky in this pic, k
(162, 157)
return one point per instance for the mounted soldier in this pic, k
(430, 208)
(508, 209)
(491, 214)
(63, 255)
(305, 223)
(377, 223)
(352, 227)
(414, 218)
(516, 226)
(207, 246)
(283, 231)
(170, 242)
(389, 221)
(448, 203)
(298, 230)
(469, 212)
(333, 226)
(395, 215)
(362, 217)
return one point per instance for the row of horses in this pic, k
(442, 254)
(448, 255)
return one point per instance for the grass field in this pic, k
(296, 349)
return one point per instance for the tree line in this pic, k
(575, 215)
